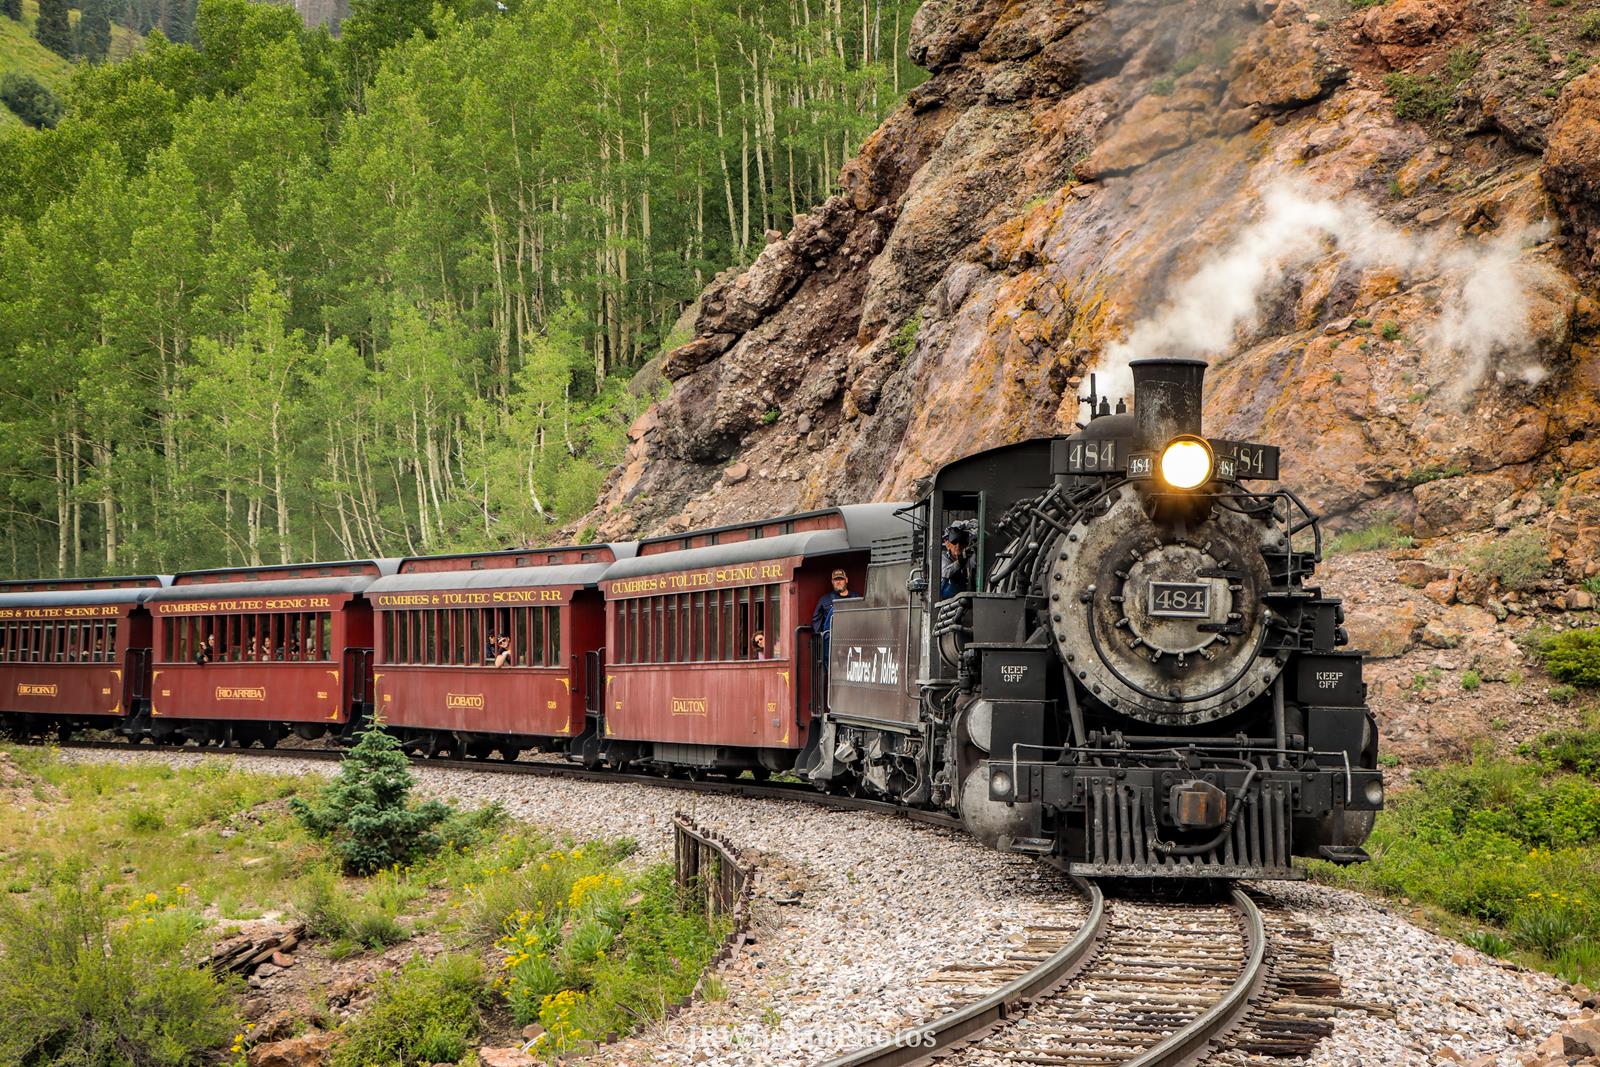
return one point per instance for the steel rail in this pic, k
(917, 1043)
(1188, 1046)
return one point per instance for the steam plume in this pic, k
(1484, 311)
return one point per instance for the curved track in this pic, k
(1139, 982)
(1146, 983)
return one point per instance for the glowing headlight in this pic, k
(1000, 783)
(1374, 793)
(1186, 463)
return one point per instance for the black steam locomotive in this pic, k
(1138, 680)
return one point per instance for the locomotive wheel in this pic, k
(509, 753)
(760, 774)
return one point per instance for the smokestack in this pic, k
(1166, 399)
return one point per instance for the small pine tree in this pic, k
(365, 811)
(93, 32)
(54, 28)
(11, 9)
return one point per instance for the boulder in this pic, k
(1571, 168)
(1457, 505)
(308, 1050)
(1282, 67)
(510, 1056)
(1382, 630)
(1148, 131)
(686, 359)
(1399, 27)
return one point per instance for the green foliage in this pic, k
(1430, 98)
(1432, 474)
(1516, 560)
(301, 297)
(1572, 656)
(1563, 694)
(53, 28)
(1163, 87)
(29, 100)
(11, 9)
(770, 416)
(1577, 751)
(1471, 680)
(430, 1011)
(606, 957)
(1389, 330)
(92, 34)
(366, 813)
(905, 338)
(1363, 4)
(82, 984)
(1589, 26)
(1382, 535)
(368, 921)
(1500, 842)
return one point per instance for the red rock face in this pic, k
(1067, 166)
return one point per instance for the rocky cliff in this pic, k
(1380, 225)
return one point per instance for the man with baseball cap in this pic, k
(822, 618)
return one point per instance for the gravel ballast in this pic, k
(858, 916)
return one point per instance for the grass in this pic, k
(83, 982)
(1516, 560)
(1507, 850)
(1423, 475)
(147, 865)
(1383, 535)
(1589, 26)
(1429, 98)
(905, 338)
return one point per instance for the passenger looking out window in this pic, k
(822, 618)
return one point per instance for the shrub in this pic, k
(1516, 561)
(1471, 680)
(610, 955)
(1589, 27)
(83, 985)
(1487, 942)
(365, 811)
(427, 1012)
(1566, 750)
(1383, 535)
(1573, 656)
(1389, 330)
(1563, 694)
(1163, 87)
(333, 913)
(905, 338)
(30, 100)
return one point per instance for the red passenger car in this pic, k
(73, 652)
(689, 684)
(245, 654)
(491, 650)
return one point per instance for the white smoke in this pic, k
(1484, 313)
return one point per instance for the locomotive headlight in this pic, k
(1187, 462)
(999, 783)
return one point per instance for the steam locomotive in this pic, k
(1140, 682)
(1137, 680)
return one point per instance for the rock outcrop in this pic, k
(1066, 165)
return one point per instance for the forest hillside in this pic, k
(273, 295)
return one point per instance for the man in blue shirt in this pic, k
(822, 618)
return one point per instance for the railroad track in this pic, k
(736, 787)
(1140, 982)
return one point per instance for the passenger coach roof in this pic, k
(67, 598)
(185, 588)
(863, 524)
(498, 578)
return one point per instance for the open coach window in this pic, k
(713, 627)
